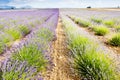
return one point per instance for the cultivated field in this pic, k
(60, 44)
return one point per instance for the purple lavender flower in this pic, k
(21, 68)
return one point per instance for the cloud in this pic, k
(70, 3)
(56, 4)
(63, 3)
(20, 3)
(25, 1)
(3, 2)
(45, 3)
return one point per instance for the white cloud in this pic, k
(20, 3)
(62, 3)
(70, 3)
(56, 4)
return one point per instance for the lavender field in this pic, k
(60, 44)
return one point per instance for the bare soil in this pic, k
(62, 69)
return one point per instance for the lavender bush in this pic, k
(17, 70)
(88, 63)
(17, 24)
(31, 55)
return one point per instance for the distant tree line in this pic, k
(91, 7)
(7, 7)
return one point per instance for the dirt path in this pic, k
(62, 68)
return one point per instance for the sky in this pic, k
(61, 3)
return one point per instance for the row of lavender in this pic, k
(96, 18)
(31, 56)
(103, 23)
(109, 29)
(89, 58)
(86, 14)
(107, 26)
(17, 24)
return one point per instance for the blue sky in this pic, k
(61, 3)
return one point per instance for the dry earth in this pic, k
(62, 68)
